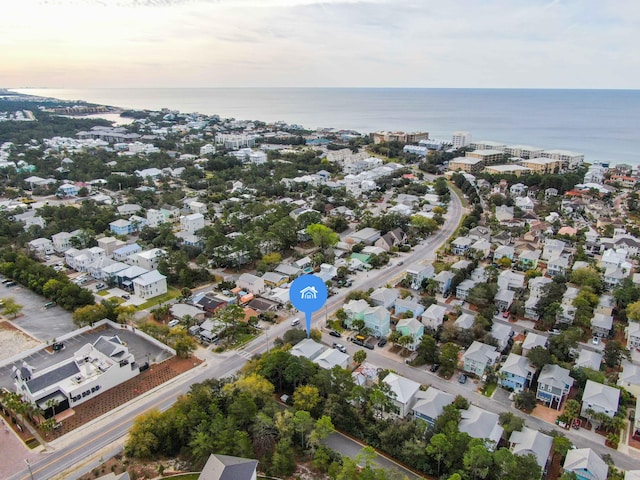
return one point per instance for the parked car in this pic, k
(10, 284)
(506, 314)
(595, 340)
(434, 368)
(382, 342)
(462, 378)
(339, 346)
(295, 321)
(126, 297)
(333, 333)
(174, 323)
(369, 345)
(57, 346)
(100, 286)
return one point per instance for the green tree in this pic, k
(359, 357)
(525, 401)
(539, 357)
(448, 359)
(561, 444)
(306, 397)
(89, 314)
(477, 459)
(614, 353)
(439, 448)
(10, 307)
(587, 277)
(322, 236)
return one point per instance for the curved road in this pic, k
(70, 455)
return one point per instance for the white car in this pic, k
(595, 340)
(295, 321)
(174, 323)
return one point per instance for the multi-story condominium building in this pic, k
(413, 137)
(467, 164)
(192, 223)
(488, 145)
(150, 285)
(148, 259)
(461, 139)
(234, 141)
(523, 151)
(516, 170)
(488, 156)
(569, 160)
(542, 165)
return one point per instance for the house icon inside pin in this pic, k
(308, 293)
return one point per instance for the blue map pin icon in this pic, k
(308, 293)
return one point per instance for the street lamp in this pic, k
(26, 460)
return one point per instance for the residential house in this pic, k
(411, 327)
(182, 311)
(251, 283)
(377, 320)
(289, 270)
(504, 251)
(463, 288)
(528, 259)
(516, 373)
(518, 190)
(502, 334)
(632, 334)
(225, 467)
(589, 359)
(391, 239)
(124, 278)
(148, 259)
(150, 285)
(531, 442)
(510, 280)
(526, 204)
(304, 264)
(586, 464)
(504, 213)
(465, 321)
(629, 378)
(480, 249)
(504, 299)
(41, 246)
(552, 248)
(530, 308)
(121, 227)
(558, 266)
(460, 266)
(192, 223)
(332, 357)
(307, 348)
(273, 279)
(480, 233)
(461, 245)
(128, 209)
(110, 244)
(62, 241)
(444, 279)
(433, 316)
(599, 398)
(384, 297)
(367, 236)
(536, 285)
(123, 253)
(554, 383)
(479, 423)
(601, 325)
(404, 393)
(29, 219)
(479, 357)
(613, 277)
(408, 304)
(354, 309)
(533, 340)
(415, 277)
(430, 404)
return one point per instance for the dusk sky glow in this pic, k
(312, 43)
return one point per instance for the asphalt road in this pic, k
(71, 455)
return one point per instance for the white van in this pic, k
(295, 321)
(174, 323)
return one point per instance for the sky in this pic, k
(313, 43)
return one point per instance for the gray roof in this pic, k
(530, 441)
(481, 352)
(225, 467)
(404, 388)
(480, 423)
(602, 321)
(602, 395)
(533, 340)
(555, 376)
(307, 348)
(586, 459)
(589, 359)
(432, 402)
(518, 365)
(52, 377)
(465, 321)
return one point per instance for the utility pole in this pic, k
(26, 460)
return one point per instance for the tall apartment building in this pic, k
(570, 160)
(466, 164)
(523, 151)
(461, 139)
(489, 157)
(488, 145)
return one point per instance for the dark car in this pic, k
(462, 378)
(333, 333)
(126, 297)
(370, 346)
(434, 368)
(57, 346)
(382, 342)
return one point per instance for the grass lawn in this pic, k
(186, 476)
(170, 295)
(488, 389)
(103, 293)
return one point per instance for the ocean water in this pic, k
(602, 124)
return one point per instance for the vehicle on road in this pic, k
(49, 305)
(100, 286)
(57, 346)
(382, 342)
(400, 263)
(340, 347)
(434, 368)
(295, 321)
(369, 345)
(126, 297)
(506, 314)
(10, 283)
(462, 378)
(333, 333)
(359, 340)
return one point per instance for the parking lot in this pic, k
(42, 359)
(42, 324)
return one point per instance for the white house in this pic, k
(404, 391)
(251, 283)
(192, 223)
(150, 285)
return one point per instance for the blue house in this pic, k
(121, 227)
(516, 373)
(67, 190)
(403, 305)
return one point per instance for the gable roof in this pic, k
(586, 459)
(404, 388)
(556, 376)
(480, 423)
(432, 402)
(602, 395)
(518, 365)
(529, 441)
(226, 467)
